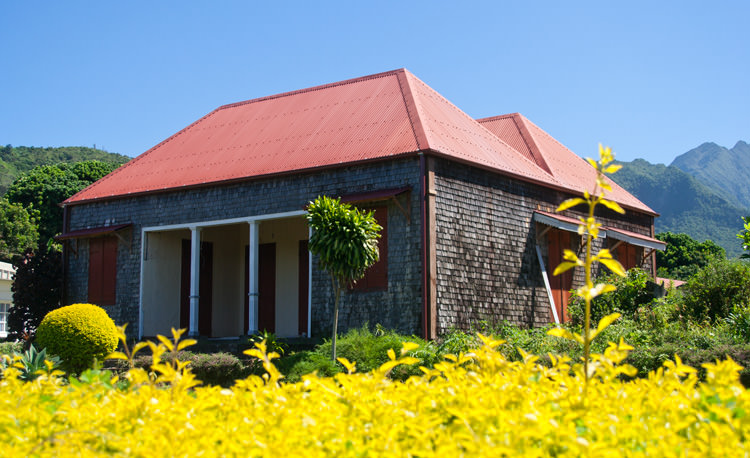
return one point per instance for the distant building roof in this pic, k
(6, 271)
(372, 118)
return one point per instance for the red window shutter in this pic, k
(95, 270)
(102, 270)
(376, 277)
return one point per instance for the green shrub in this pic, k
(295, 365)
(369, 350)
(716, 290)
(217, 368)
(633, 291)
(78, 334)
(10, 348)
(738, 323)
(221, 369)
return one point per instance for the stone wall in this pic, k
(487, 267)
(399, 307)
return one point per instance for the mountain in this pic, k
(15, 160)
(726, 171)
(684, 203)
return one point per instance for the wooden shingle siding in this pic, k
(487, 267)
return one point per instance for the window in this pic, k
(102, 270)
(4, 306)
(376, 277)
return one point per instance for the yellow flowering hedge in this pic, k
(478, 404)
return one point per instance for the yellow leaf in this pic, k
(117, 355)
(570, 203)
(604, 322)
(564, 267)
(569, 255)
(614, 206)
(614, 266)
(186, 343)
(166, 342)
(612, 168)
(565, 334)
(409, 346)
(350, 367)
(593, 163)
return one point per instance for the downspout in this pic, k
(423, 216)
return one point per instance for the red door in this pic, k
(627, 255)
(266, 287)
(560, 284)
(205, 287)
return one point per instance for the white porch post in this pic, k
(252, 303)
(195, 268)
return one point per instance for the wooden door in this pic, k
(205, 287)
(303, 287)
(627, 254)
(561, 284)
(266, 287)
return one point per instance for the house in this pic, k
(7, 271)
(207, 229)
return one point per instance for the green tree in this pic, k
(744, 235)
(345, 240)
(18, 230)
(43, 188)
(684, 256)
(716, 290)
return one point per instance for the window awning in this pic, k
(92, 232)
(635, 239)
(380, 194)
(567, 223)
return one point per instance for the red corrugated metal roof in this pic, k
(568, 169)
(370, 118)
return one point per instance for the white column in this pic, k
(195, 275)
(252, 303)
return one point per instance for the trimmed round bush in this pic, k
(78, 334)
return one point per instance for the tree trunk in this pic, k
(337, 292)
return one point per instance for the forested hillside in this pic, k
(685, 204)
(15, 160)
(726, 171)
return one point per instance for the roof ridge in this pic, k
(513, 116)
(412, 110)
(520, 121)
(495, 118)
(315, 88)
(606, 177)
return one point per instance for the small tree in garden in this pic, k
(589, 227)
(345, 240)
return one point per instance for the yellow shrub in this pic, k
(78, 334)
(474, 405)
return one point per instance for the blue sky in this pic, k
(651, 79)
